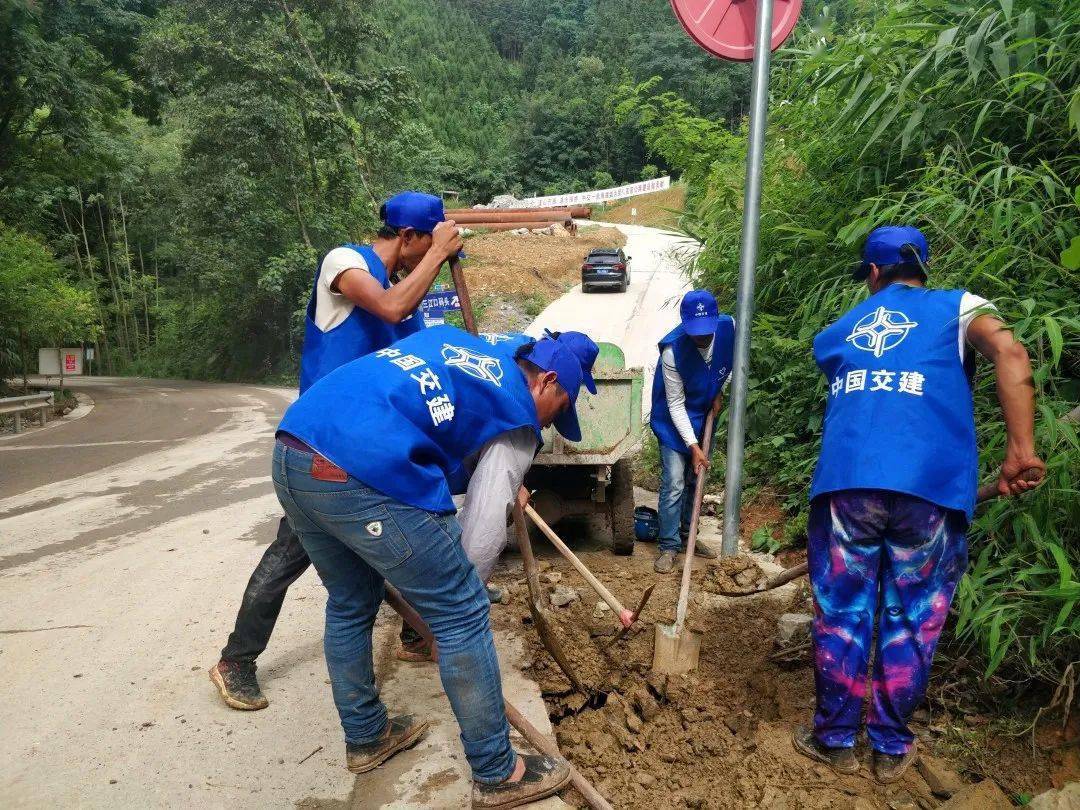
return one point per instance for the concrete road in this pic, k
(648, 310)
(126, 538)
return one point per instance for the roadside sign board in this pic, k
(726, 27)
(436, 304)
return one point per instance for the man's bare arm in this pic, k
(1022, 469)
(397, 303)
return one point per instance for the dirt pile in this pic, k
(719, 738)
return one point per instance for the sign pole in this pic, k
(744, 313)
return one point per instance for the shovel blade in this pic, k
(675, 654)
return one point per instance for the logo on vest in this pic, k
(880, 331)
(475, 365)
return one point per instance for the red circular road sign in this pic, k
(726, 27)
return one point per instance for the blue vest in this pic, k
(702, 382)
(900, 415)
(359, 334)
(404, 419)
(506, 342)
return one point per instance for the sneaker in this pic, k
(415, 652)
(665, 562)
(402, 733)
(495, 594)
(891, 767)
(543, 777)
(238, 685)
(841, 760)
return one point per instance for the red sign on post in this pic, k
(726, 27)
(69, 363)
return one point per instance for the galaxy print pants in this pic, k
(890, 559)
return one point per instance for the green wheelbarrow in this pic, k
(595, 476)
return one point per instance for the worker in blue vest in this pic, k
(363, 468)
(484, 547)
(894, 491)
(363, 299)
(695, 361)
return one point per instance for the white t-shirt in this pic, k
(331, 307)
(971, 307)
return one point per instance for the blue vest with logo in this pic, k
(403, 419)
(506, 342)
(359, 334)
(900, 415)
(701, 381)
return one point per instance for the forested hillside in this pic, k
(177, 166)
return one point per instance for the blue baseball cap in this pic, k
(584, 349)
(893, 244)
(413, 209)
(699, 313)
(551, 355)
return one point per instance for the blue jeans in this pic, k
(677, 482)
(357, 537)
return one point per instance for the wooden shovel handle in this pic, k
(598, 586)
(695, 518)
(464, 301)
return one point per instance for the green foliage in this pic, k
(956, 118)
(37, 305)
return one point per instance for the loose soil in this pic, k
(720, 737)
(660, 209)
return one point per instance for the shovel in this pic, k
(626, 617)
(676, 649)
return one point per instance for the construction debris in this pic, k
(942, 780)
(561, 596)
(793, 628)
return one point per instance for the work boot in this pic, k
(841, 760)
(665, 562)
(543, 776)
(238, 685)
(415, 652)
(402, 732)
(891, 767)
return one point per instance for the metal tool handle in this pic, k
(625, 616)
(695, 518)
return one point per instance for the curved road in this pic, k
(126, 538)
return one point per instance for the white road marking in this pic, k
(87, 444)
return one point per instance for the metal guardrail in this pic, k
(33, 402)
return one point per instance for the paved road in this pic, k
(637, 319)
(126, 538)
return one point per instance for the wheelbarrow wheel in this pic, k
(621, 507)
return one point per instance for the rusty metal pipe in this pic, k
(577, 212)
(513, 226)
(464, 217)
